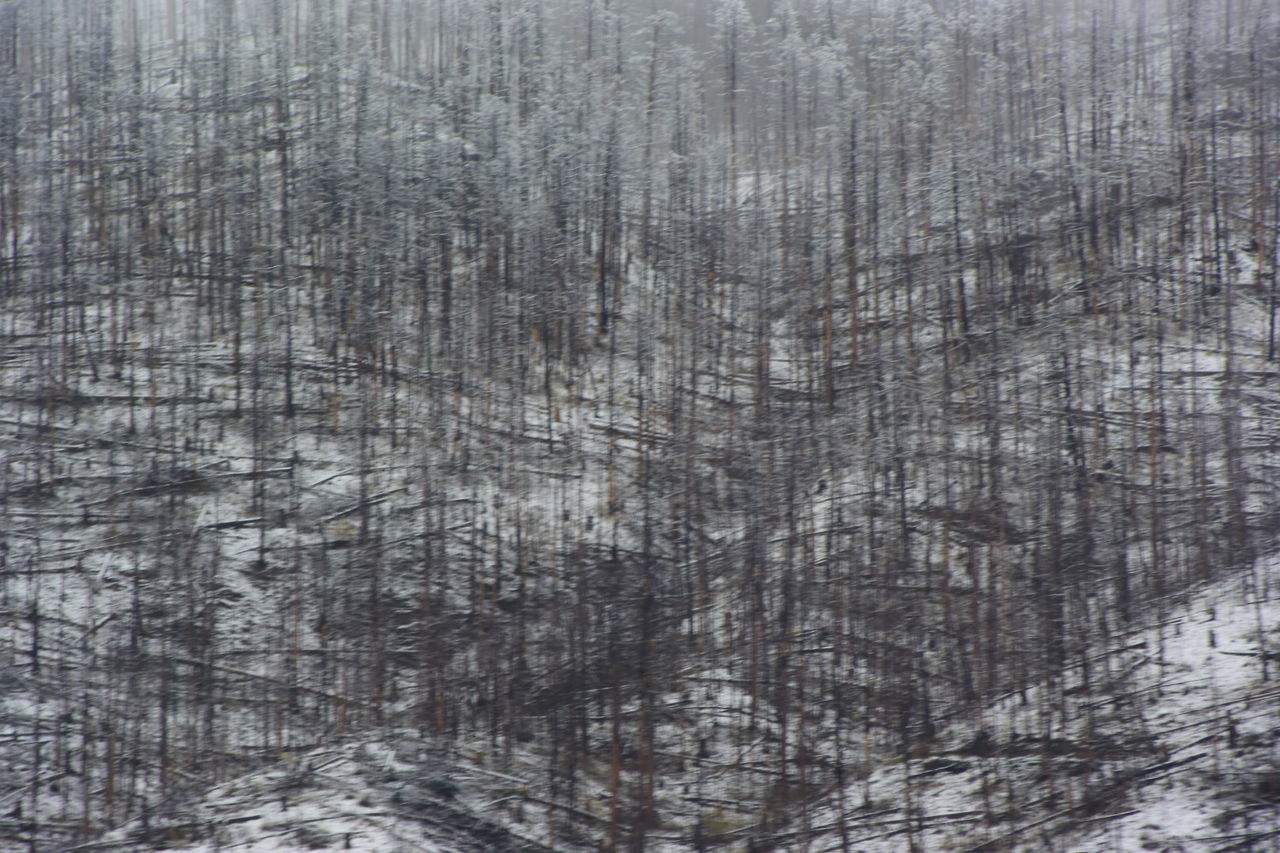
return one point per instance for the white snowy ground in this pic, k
(396, 795)
(1178, 749)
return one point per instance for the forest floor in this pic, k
(1177, 749)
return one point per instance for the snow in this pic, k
(1192, 685)
(210, 531)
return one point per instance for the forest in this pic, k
(715, 424)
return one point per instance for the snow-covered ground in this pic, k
(332, 515)
(1174, 745)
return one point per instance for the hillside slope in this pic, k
(1170, 742)
(710, 419)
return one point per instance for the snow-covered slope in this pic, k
(400, 794)
(1166, 739)
(770, 432)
